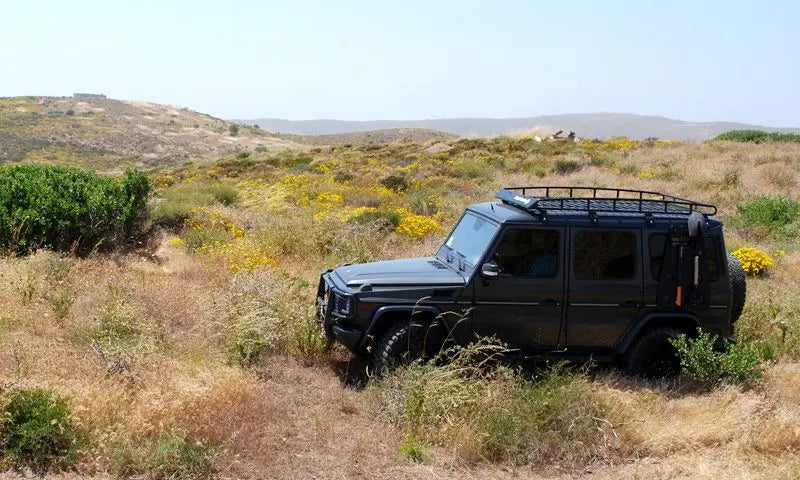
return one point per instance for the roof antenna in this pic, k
(492, 206)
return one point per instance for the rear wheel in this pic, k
(653, 355)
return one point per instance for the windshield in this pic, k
(470, 238)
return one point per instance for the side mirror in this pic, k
(490, 269)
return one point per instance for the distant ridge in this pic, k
(587, 125)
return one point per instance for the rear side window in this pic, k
(657, 246)
(607, 254)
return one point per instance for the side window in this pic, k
(604, 254)
(528, 253)
(657, 247)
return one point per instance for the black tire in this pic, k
(401, 344)
(738, 283)
(653, 356)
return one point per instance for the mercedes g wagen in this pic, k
(580, 273)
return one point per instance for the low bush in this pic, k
(774, 214)
(169, 456)
(563, 167)
(69, 209)
(396, 182)
(757, 136)
(754, 262)
(176, 204)
(493, 412)
(383, 219)
(701, 360)
(37, 431)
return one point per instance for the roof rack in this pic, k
(595, 199)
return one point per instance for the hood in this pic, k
(426, 271)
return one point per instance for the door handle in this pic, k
(549, 302)
(631, 304)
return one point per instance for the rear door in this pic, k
(604, 292)
(523, 305)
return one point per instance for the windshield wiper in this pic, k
(462, 259)
(448, 256)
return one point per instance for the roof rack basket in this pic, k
(596, 199)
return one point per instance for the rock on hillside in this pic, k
(106, 134)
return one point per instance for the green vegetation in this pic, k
(384, 219)
(68, 209)
(37, 431)
(233, 130)
(757, 136)
(492, 411)
(178, 202)
(774, 215)
(700, 360)
(413, 449)
(169, 456)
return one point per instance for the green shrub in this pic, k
(66, 208)
(233, 129)
(61, 303)
(177, 203)
(776, 215)
(599, 160)
(563, 167)
(196, 238)
(384, 219)
(396, 182)
(37, 431)
(700, 359)
(169, 456)
(308, 340)
(493, 412)
(174, 456)
(413, 449)
(757, 136)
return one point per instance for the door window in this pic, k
(657, 246)
(604, 254)
(528, 253)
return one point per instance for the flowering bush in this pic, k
(754, 261)
(417, 226)
(212, 219)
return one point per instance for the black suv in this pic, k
(573, 272)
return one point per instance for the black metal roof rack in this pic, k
(596, 199)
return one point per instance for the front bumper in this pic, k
(330, 321)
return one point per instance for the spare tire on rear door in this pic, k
(738, 287)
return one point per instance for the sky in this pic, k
(406, 60)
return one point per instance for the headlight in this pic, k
(343, 304)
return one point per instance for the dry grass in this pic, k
(286, 416)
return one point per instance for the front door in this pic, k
(605, 285)
(522, 305)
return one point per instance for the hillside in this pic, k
(586, 125)
(382, 136)
(106, 133)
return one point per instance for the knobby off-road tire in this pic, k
(738, 283)
(653, 356)
(400, 345)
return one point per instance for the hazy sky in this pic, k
(363, 60)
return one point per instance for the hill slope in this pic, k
(105, 133)
(587, 125)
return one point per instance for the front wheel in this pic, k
(399, 346)
(653, 355)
